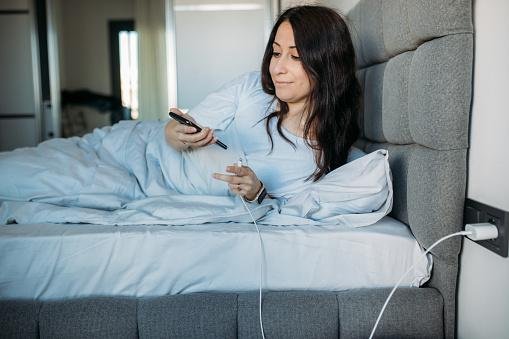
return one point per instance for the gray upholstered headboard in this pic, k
(415, 66)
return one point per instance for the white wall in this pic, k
(84, 45)
(342, 6)
(483, 300)
(214, 47)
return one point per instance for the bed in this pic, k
(63, 261)
(415, 65)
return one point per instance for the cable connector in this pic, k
(481, 231)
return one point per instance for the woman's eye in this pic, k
(295, 57)
(276, 54)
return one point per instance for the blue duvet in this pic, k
(127, 174)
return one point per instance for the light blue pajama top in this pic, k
(237, 113)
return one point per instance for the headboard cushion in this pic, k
(392, 27)
(415, 59)
(423, 95)
(415, 68)
(429, 192)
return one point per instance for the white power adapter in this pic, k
(481, 231)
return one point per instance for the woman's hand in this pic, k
(182, 137)
(243, 182)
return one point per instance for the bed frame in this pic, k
(415, 65)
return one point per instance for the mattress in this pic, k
(57, 261)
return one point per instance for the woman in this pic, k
(291, 124)
(309, 88)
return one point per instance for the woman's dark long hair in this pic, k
(327, 54)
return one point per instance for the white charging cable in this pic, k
(239, 164)
(476, 232)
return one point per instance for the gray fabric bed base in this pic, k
(412, 313)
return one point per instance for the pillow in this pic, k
(358, 193)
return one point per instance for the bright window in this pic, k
(128, 49)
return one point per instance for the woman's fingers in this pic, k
(244, 172)
(189, 135)
(239, 188)
(205, 141)
(183, 129)
(196, 139)
(236, 170)
(242, 181)
(230, 179)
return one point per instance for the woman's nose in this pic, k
(281, 65)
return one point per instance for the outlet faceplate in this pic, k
(476, 212)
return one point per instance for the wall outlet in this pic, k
(476, 212)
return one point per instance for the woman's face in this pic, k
(290, 80)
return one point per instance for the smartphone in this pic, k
(188, 122)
